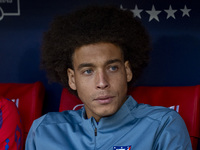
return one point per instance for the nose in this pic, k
(102, 80)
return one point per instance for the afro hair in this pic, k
(91, 25)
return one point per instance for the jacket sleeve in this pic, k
(31, 138)
(173, 133)
(11, 132)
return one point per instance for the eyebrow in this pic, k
(92, 65)
(113, 61)
(85, 65)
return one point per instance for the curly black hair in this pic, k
(91, 25)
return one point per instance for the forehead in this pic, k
(98, 52)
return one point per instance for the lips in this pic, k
(104, 99)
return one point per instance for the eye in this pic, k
(87, 72)
(113, 68)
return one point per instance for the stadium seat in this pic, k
(69, 101)
(28, 98)
(184, 99)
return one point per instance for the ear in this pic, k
(71, 79)
(129, 74)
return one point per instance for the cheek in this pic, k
(120, 78)
(83, 83)
(84, 88)
(120, 82)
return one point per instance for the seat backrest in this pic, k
(184, 99)
(28, 98)
(69, 101)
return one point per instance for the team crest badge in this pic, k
(122, 147)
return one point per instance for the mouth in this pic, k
(104, 99)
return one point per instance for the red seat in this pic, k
(185, 100)
(28, 98)
(69, 101)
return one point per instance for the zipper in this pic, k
(94, 124)
(95, 135)
(95, 131)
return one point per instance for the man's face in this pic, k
(100, 77)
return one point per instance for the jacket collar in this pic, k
(121, 115)
(111, 128)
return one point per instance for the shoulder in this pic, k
(145, 111)
(171, 132)
(49, 122)
(171, 129)
(155, 113)
(6, 103)
(8, 111)
(52, 118)
(167, 120)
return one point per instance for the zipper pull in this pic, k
(95, 131)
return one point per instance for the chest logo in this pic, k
(122, 147)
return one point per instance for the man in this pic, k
(98, 53)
